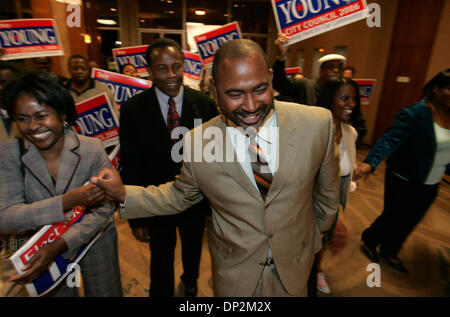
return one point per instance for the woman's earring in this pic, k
(66, 125)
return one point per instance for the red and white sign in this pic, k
(27, 38)
(302, 19)
(123, 87)
(58, 270)
(96, 118)
(115, 157)
(208, 43)
(132, 55)
(366, 87)
(192, 70)
(291, 71)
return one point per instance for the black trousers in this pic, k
(405, 204)
(163, 237)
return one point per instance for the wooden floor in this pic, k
(426, 252)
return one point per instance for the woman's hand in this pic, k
(88, 195)
(362, 170)
(40, 262)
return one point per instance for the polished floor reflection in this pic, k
(426, 252)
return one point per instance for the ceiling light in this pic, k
(113, 9)
(171, 12)
(106, 21)
(87, 39)
(74, 2)
(200, 12)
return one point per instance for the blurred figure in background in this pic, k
(349, 72)
(81, 86)
(44, 64)
(129, 70)
(417, 148)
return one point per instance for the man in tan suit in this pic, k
(266, 219)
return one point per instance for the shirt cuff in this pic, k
(122, 208)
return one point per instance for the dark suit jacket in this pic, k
(296, 90)
(145, 141)
(409, 144)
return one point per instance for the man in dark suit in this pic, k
(146, 122)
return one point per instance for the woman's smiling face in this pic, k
(41, 125)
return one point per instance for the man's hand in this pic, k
(88, 195)
(39, 262)
(111, 182)
(141, 233)
(362, 170)
(281, 45)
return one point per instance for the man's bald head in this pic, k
(239, 48)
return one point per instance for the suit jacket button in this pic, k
(270, 235)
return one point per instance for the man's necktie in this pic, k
(261, 170)
(173, 119)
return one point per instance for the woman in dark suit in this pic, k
(42, 179)
(417, 146)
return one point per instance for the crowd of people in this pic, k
(270, 208)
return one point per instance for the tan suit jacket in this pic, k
(304, 192)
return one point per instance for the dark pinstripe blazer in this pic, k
(29, 201)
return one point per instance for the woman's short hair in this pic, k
(161, 43)
(45, 89)
(441, 80)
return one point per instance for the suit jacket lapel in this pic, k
(287, 147)
(70, 159)
(187, 110)
(35, 164)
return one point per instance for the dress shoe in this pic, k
(369, 252)
(394, 262)
(190, 290)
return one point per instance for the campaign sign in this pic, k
(97, 119)
(25, 38)
(208, 43)
(291, 71)
(123, 87)
(132, 55)
(115, 157)
(302, 19)
(192, 70)
(58, 270)
(366, 87)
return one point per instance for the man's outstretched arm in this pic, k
(140, 202)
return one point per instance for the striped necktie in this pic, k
(173, 119)
(260, 167)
